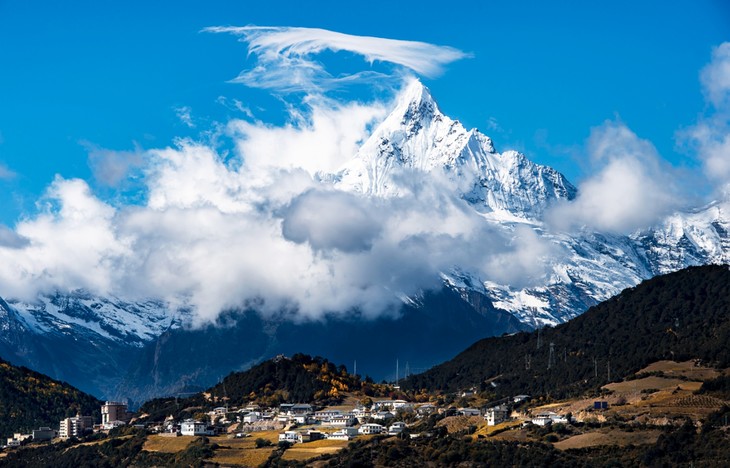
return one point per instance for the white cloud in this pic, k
(219, 233)
(631, 187)
(331, 221)
(285, 60)
(715, 77)
(320, 141)
(10, 239)
(235, 104)
(710, 137)
(71, 244)
(184, 114)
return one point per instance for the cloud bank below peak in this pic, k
(285, 57)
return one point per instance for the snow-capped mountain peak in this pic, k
(417, 139)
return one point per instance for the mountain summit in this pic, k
(418, 139)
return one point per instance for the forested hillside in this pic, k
(679, 316)
(29, 400)
(299, 379)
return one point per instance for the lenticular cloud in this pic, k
(285, 56)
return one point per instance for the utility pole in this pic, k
(595, 367)
(551, 357)
(608, 366)
(354, 372)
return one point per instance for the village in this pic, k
(297, 423)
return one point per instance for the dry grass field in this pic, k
(653, 383)
(158, 443)
(686, 369)
(610, 437)
(242, 457)
(309, 450)
(489, 430)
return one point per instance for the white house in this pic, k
(113, 424)
(343, 420)
(289, 436)
(426, 409)
(301, 419)
(560, 419)
(327, 415)
(548, 417)
(469, 412)
(251, 417)
(13, 442)
(301, 409)
(382, 415)
(391, 404)
(396, 428)
(191, 427)
(519, 398)
(371, 428)
(346, 433)
(496, 415)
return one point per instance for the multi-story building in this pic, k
(113, 411)
(75, 427)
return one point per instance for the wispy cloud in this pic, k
(184, 114)
(5, 172)
(286, 63)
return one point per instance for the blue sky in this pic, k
(111, 75)
(170, 150)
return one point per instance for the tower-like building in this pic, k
(113, 411)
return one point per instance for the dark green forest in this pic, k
(679, 316)
(299, 379)
(29, 400)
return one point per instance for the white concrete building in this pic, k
(113, 411)
(496, 415)
(382, 416)
(469, 412)
(396, 428)
(75, 427)
(289, 436)
(371, 428)
(343, 420)
(548, 417)
(191, 427)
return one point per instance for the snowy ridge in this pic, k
(109, 318)
(416, 138)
